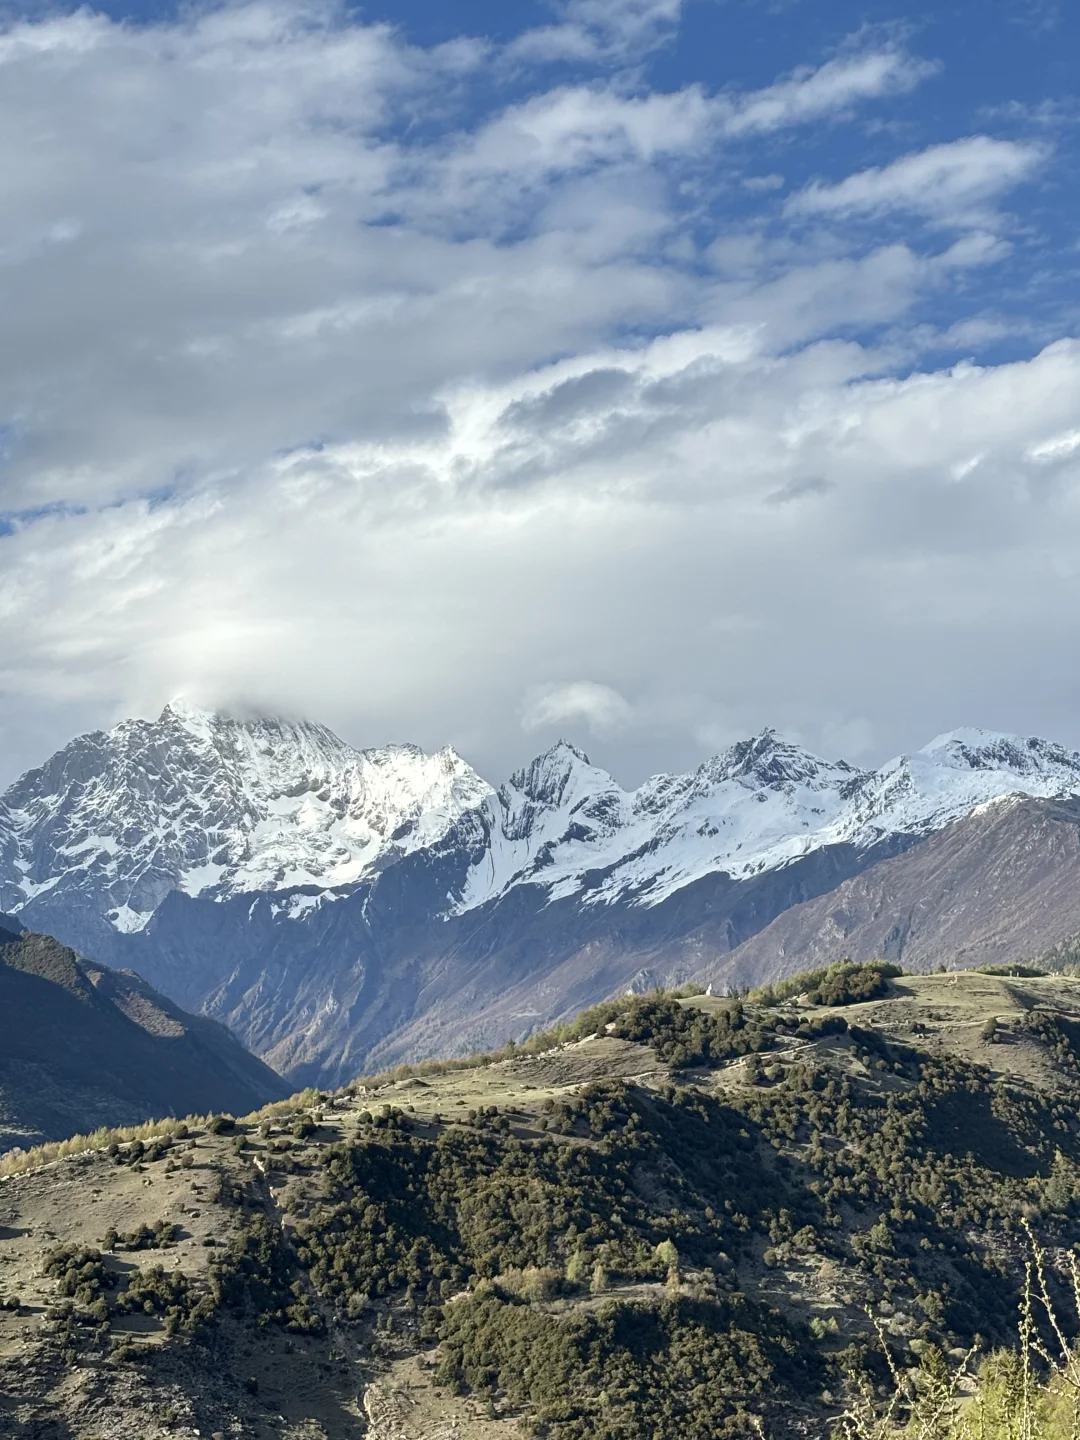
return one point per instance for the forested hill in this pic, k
(683, 1216)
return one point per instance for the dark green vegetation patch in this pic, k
(682, 1368)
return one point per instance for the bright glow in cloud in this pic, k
(1058, 447)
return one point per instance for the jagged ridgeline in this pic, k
(682, 1216)
(343, 909)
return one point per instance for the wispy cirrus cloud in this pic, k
(600, 31)
(831, 89)
(953, 183)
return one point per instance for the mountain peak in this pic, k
(567, 750)
(970, 745)
(970, 736)
(193, 718)
(771, 760)
(203, 803)
(974, 749)
(181, 708)
(204, 722)
(548, 779)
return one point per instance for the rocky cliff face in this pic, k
(338, 907)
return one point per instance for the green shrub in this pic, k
(849, 984)
(843, 983)
(79, 1269)
(256, 1277)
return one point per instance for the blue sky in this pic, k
(1005, 68)
(646, 371)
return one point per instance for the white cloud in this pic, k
(600, 708)
(612, 511)
(763, 182)
(949, 182)
(572, 128)
(848, 739)
(579, 127)
(600, 31)
(832, 89)
(222, 239)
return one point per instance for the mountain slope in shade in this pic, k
(997, 887)
(368, 980)
(82, 1046)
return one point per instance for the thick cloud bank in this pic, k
(480, 392)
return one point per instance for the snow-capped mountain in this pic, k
(206, 804)
(214, 806)
(335, 904)
(565, 825)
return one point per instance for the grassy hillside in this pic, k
(684, 1216)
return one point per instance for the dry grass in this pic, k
(420, 1069)
(279, 1109)
(18, 1162)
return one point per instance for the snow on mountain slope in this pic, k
(210, 805)
(207, 804)
(565, 825)
(957, 771)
